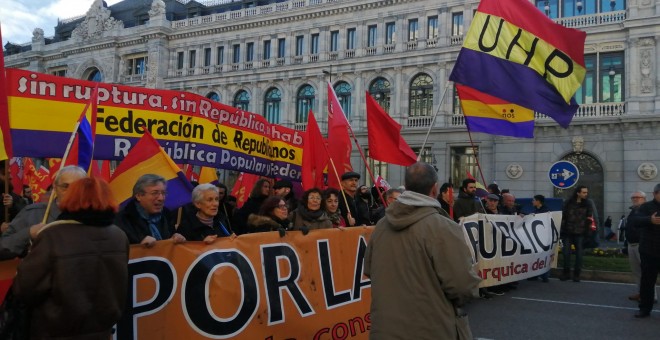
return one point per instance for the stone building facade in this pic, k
(275, 57)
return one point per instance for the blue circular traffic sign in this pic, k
(564, 174)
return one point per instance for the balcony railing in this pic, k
(456, 40)
(371, 50)
(390, 48)
(300, 126)
(584, 112)
(412, 45)
(419, 121)
(593, 19)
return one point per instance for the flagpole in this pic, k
(366, 165)
(66, 155)
(428, 132)
(474, 150)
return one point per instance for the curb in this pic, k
(598, 275)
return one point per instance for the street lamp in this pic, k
(579, 7)
(612, 4)
(547, 8)
(329, 73)
(612, 73)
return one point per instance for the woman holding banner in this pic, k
(273, 215)
(75, 277)
(203, 223)
(310, 213)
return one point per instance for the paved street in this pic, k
(562, 310)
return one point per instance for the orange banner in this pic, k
(256, 286)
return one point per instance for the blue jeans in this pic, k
(577, 240)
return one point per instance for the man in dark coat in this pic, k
(648, 220)
(145, 219)
(467, 203)
(632, 236)
(358, 215)
(575, 226)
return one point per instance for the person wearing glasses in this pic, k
(273, 216)
(632, 235)
(310, 213)
(202, 221)
(16, 239)
(145, 219)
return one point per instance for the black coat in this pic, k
(649, 241)
(194, 230)
(136, 228)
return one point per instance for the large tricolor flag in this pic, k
(512, 51)
(5, 138)
(488, 114)
(147, 157)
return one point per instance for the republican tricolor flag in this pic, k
(147, 157)
(514, 52)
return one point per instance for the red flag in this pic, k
(5, 138)
(314, 157)
(340, 150)
(382, 183)
(16, 174)
(385, 141)
(242, 187)
(450, 193)
(102, 170)
(38, 179)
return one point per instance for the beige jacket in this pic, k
(421, 270)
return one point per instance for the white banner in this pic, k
(509, 248)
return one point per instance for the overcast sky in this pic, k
(20, 17)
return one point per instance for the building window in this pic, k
(249, 53)
(380, 90)
(179, 60)
(568, 8)
(281, 48)
(390, 33)
(207, 56)
(242, 100)
(214, 96)
(142, 19)
(60, 72)
(299, 45)
(343, 92)
(413, 29)
(457, 24)
(350, 39)
(220, 58)
(94, 74)
(314, 44)
(236, 57)
(304, 102)
(426, 155)
(192, 58)
(334, 41)
(266, 50)
(136, 65)
(272, 105)
(611, 77)
(372, 32)
(433, 27)
(421, 96)
(456, 103)
(604, 79)
(378, 168)
(463, 161)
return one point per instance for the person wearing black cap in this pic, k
(347, 204)
(492, 202)
(284, 189)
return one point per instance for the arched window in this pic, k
(304, 102)
(343, 91)
(380, 90)
(214, 96)
(94, 74)
(272, 105)
(421, 96)
(242, 100)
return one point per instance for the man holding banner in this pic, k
(417, 293)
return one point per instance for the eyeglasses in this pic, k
(157, 193)
(282, 206)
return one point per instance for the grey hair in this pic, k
(70, 169)
(197, 193)
(641, 193)
(147, 180)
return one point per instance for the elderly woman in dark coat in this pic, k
(310, 213)
(202, 221)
